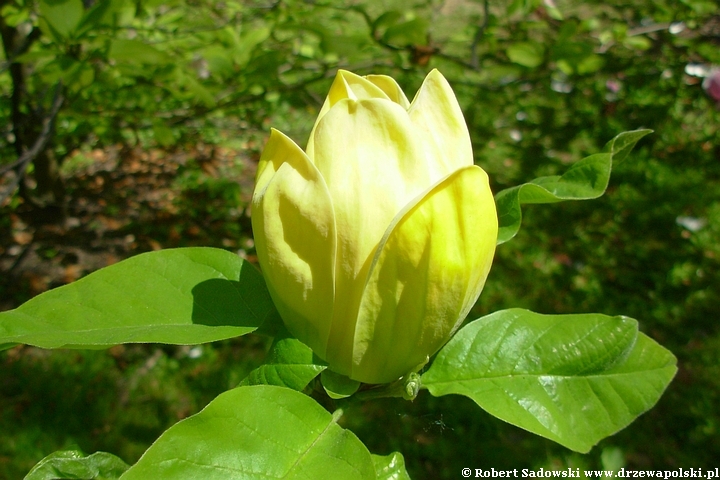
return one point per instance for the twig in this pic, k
(43, 138)
(479, 33)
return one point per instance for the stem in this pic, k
(406, 387)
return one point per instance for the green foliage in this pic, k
(184, 296)
(575, 379)
(75, 464)
(253, 432)
(540, 86)
(390, 467)
(586, 179)
(290, 363)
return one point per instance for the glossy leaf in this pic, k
(183, 297)
(586, 179)
(574, 379)
(75, 464)
(290, 363)
(390, 467)
(256, 432)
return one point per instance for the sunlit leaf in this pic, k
(529, 55)
(75, 464)
(257, 432)
(574, 379)
(586, 179)
(182, 296)
(390, 467)
(63, 16)
(136, 51)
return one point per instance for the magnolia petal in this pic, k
(426, 275)
(439, 121)
(346, 85)
(391, 88)
(278, 150)
(374, 165)
(294, 228)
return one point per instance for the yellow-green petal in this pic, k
(439, 121)
(374, 165)
(346, 85)
(391, 88)
(295, 238)
(426, 275)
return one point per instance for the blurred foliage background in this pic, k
(135, 125)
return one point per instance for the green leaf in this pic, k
(290, 363)
(586, 179)
(135, 51)
(412, 32)
(94, 17)
(257, 432)
(389, 18)
(338, 386)
(75, 464)
(390, 467)
(63, 16)
(529, 55)
(248, 43)
(574, 379)
(183, 296)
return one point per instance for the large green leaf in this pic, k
(574, 379)
(586, 179)
(256, 432)
(290, 363)
(182, 296)
(75, 464)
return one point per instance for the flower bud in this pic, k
(376, 241)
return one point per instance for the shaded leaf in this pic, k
(574, 379)
(586, 179)
(75, 464)
(412, 32)
(181, 296)
(290, 363)
(337, 385)
(257, 432)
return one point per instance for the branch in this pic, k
(43, 138)
(479, 33)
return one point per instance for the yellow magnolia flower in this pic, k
(376, 241)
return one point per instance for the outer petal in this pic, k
(374, 165)
(294, 228)
(425, 277)
(346, 85)
(436, 115)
